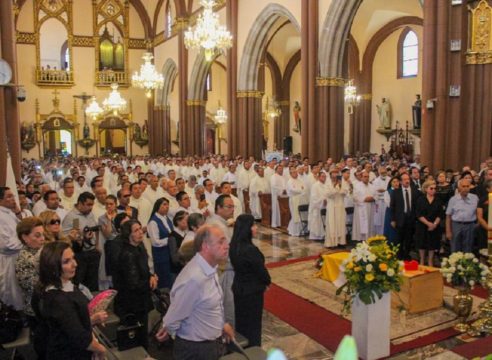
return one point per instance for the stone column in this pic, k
(166, 129)
(195, 125)
(282, 123)
(309, 62)
(232, 127)
(9, 113)
(360, 126)
(183, 87)
(249, 126)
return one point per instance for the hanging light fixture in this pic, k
(220, 115)
(148, 78)
(273, 110)
(208, 35)
(114, 101)
(351, 97)
(93, 110)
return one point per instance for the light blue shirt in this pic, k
(463, 209)
(196, 312)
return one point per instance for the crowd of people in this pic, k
(134, 225)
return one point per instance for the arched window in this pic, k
(169, 20)
(408, 54)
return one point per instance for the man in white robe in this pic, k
(226, 189)
(153, 191)
(259, 185)
(278, 187)
(243, 179)
(335, 211)
(68, 197)
(295, 191)
(172, 190)
(380, 185)
(231, 176)
(364, 207)
(317, 202)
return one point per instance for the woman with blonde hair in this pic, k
(52, 227)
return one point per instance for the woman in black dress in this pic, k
(62, 307)
(250, 281)
(429, 213)
(134, 281)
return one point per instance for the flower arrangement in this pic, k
(371, 270)
(463, 270)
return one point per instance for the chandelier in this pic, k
(148, 78)
(351, 97)
(114, 101)
(220, 115)
(93, 110)
(273, 110)
(208, 35)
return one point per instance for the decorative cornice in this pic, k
(366, 96)
(138, 44)
(25, 38)
(478, 58)
(83, 41)
(249, 94)
(196, 103)
(340, 82)
(180, 23)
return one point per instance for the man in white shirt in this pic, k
(259, 185)
(190, 186)
(210, 193)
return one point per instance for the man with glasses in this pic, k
(68, 197)
(124, 204)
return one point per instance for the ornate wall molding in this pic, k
(249, 94)
(330, 81)
(480, 32)
(137, 43)
(196, 103)
(25, 38)
(83, 41)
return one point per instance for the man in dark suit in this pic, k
(402, 205)
(416, 182)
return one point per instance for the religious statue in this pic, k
(384, 112)
(145, 131)
(86, 132)
(417, 112)
(137, 135)
(297, 119)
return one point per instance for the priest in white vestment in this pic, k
(259, 185)
(144, 210)
(295, 191)
(380, 185)
(335, 211)
(278, 188)
(364, 207)
(226, 189)
(317, 202)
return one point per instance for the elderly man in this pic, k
(380, 185)
(278, 187)
(317, 202)
(335, 211)
(100, 204)
(198, 323)
(363, 227)
(296, 192)
(154, 191)
(259, 185)
(68, 197)
(461, 217)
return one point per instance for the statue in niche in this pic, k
(137, 135)
(297, 120)
(145, 131)
(28, 133)
(86, 132)
(417, 113)
(384, 112)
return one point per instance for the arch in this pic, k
(256, 41)
(170, 72)
(201, 67)
(336, 28)
(400, 52)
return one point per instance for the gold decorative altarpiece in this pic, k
(480, 34)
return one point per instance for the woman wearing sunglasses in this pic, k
(52, 227)
(429, 213)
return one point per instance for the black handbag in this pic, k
(130, 333)
(10, 323)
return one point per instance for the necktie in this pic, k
(407, 201)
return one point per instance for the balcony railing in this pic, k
(51, 77)
(108, 77)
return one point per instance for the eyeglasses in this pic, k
(55, 222)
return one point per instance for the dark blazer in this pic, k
(250, 273)
(133, 277)
(397, 205)
(68, 322)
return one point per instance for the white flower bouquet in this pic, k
(463, 270)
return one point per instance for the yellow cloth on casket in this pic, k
(331, 266)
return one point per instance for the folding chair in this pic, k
(22, 340)
(303, 211)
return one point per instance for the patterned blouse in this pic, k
(27, 274)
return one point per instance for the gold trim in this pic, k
(137, 44)
(249, 94)
(159, 39)
(335, 81)
(196, 103)
(366, 96)
(180, 23)
(83, 41)
(477, 58)
(283, 103)
(25, 38)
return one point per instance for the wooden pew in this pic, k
(247, 208)
(266, 209)
(283, 202)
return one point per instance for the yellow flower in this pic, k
(357, 269)
(350, 265)
(383, 267)
(369, 277)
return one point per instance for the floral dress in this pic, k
(27, 274)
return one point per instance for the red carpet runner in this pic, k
(326, 327)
